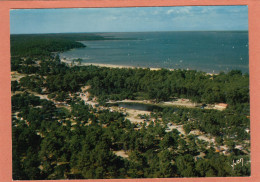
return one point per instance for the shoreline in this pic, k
(123, 66)
(111, 65)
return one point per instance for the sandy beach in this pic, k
(118, 66)
(108, 65)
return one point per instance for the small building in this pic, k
(219, 149)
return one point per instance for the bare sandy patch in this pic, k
(15, 76)
(121, 153)
(133, 115)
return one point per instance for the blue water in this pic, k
(205, 51)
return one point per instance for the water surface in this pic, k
(209, 51)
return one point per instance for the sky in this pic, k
(185, 18)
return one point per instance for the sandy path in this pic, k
(202, 137)
(178, 127)
(15, 76)
(180, 102)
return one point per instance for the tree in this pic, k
(168, 141)
(15, 86)
(31, 165)
(187, 128)
(202, 167)
(185, 165)
(165, 166)
(57, 58)
(219, 140)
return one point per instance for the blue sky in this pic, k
(129, 19)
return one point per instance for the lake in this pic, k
(137, 106)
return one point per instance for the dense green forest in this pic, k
(162, 85)
(82, 148)
(43, 45)
(78, 141)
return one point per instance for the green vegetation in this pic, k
(43, 45)
(58, 144)
(39, 46)
(59, 136)
(118, 84)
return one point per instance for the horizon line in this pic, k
(129, 32)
